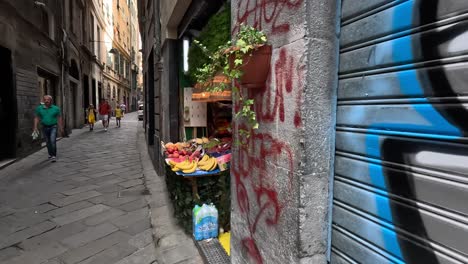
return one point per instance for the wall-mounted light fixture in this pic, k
(41, 4)
(186, 44)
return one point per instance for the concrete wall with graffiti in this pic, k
(401, 185)
(280, 174)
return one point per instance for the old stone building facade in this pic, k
(32, 63)
(120, 72)
(69, 49)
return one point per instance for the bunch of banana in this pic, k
(193, 167)
(173, 165)
(184, 166)
(207, 163)
(200, 141)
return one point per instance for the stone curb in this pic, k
(172, 244)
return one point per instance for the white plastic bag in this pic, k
(35, 135)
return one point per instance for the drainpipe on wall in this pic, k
(63, 59)
(157, 31)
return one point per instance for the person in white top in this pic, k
(123, 107)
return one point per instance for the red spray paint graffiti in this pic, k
(254, 170)
(254, 157)
(285, 71)
(265, 13)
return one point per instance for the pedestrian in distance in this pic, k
(118, 115)
(104, 111)
(91, 116)
(50, 118)
(123, 107)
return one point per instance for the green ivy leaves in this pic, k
(228, 60)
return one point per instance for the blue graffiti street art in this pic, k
(401, 166)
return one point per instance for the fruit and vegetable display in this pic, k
(206, 164)
(198, 156)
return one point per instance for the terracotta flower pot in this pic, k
(221, 96)
(201, 97)
(221, 78)
(203, 85)
(255, 67)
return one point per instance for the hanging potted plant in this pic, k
(246, 61)
(250, 55)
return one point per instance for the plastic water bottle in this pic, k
(214, 222)
(196, 223)
(205, 221)
(210, 221)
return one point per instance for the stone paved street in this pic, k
(91, 206)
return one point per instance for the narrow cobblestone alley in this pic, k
(88, 207)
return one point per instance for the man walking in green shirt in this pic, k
(50, 117)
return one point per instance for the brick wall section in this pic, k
(27, 100)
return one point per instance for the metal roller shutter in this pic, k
(401, 168)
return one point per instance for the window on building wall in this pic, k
(47, 84)
(109, 59)
(44, 21)
(91, 33)
(108, 92)
(134, 79)
(124, 68)
(121, 64)
(127, 69)
(47, 24)
(98, 43)
(116, 62)
(83, 24)
(107, 11)
(71, 15)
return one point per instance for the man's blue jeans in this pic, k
(50, 133)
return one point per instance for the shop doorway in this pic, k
(101, 93)
(93, 85)
(85, 96)
(47, 85)
(73, 104)
(8, 112)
